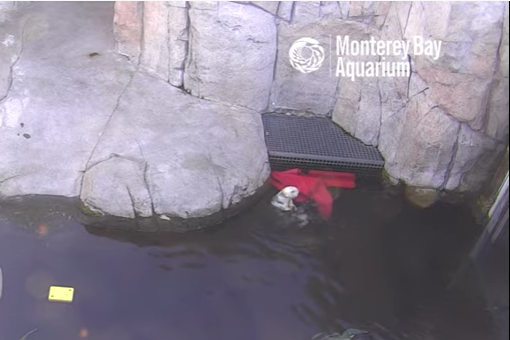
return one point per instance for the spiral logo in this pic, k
(306, 55)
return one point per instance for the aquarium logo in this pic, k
(306, 55)
(367, 58)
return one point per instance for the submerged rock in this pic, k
(421, 197)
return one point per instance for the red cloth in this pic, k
(313, 185)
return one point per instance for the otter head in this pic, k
(290, 192)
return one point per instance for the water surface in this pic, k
(378, 265)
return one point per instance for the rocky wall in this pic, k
(442, 127)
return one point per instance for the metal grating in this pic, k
(316, 143)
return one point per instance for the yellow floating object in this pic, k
(62, 294)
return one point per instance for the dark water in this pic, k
(379, 265)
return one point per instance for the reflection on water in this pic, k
(378, 265)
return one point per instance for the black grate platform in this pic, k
(317, 143)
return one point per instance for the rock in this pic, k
(369, 12)
(497, 122)
(306, 12)
(460, 78)
(392, 27)
(127, 28)
(393, 118)
(6, 10)
(268, 6)
(294, 91)
(394, 94)
(344, 9)
(8, 55)
(463, 96)
(186, 177)
(10, 46)
(60, 99)
(503, 61)
(369, 115)
(347, 105)
(355, 9)
(117, 187)
(285, 10)
(314, 92)
(466, 84)
(421, 197)
(330, 9)
(425, 147)
(442, 128)
(129, 144)
(403, 9)
(358, 109)
(177, 43)
(205, 5)
(506, 38)
(474, 159)
(232, 53)
(7, 6)
(164, 26)
(381, 10)
(178, 4)
(155, 51)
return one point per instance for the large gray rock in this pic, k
(232, 53)
(458, 83)
(425, 147)
(464, 96)
(200, 156)
(82, 121)
(460, 78)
